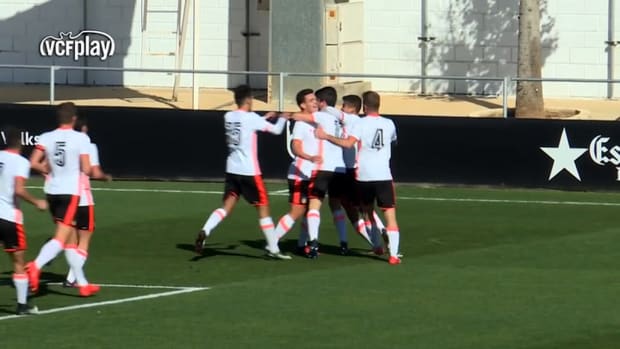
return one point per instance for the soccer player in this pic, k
(85, 217)
(243, 174)
(342, 190)
(63, 155)
(14, 171)
(322, 175)
(305, 147)
(374, 176)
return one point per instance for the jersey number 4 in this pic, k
(60, 153)
(377, 140)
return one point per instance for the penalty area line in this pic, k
(111, 302)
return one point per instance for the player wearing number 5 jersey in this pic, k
(62, 154)
(374, 135)
(243, 174)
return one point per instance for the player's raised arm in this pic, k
(348, 142)
(266, 126)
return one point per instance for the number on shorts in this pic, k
(60, 153)
(377, 141)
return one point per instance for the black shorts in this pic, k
(12, 236)
(85, 219)
(251, 188)
(319, 184)
(380, 191)
(337, 186)
(64, 208)
(298, 192)
(348, 187)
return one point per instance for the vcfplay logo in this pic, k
(87, 43)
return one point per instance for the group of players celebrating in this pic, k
(338, 155)
(68, 160)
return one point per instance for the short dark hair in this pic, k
(372, 100)
(80, 123)
(327, 94)
(353, 100)
(65, 112)
(301, 95)
(242, 92)
(12, 136)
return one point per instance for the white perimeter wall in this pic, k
(473, 37)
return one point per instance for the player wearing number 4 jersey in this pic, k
(243, 174)
(62, 154)
(374, 135)
(14, 171)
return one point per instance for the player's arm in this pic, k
(298, 150)
(305, 117)
(276, 129)
(37, 160)
(95, 165)
(348, 142)
(22, 192)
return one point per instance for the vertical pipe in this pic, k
(247, 40)
(52, 84)
(281, 93)
(423, 45)
(505, 87)
(611, 47)
(84, 27)
(196, 55)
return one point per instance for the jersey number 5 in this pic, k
(60, 154)
(1, 167)
(377, 140)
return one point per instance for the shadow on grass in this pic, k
(290, 246)
(212, 250)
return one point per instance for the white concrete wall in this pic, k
(473, 38)
(479, 38)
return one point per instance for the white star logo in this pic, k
(564, 157)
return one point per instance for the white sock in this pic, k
(303, 233)
(361, 229)
(76, 261)
(266, 225)
(21, 287)
(341, 224)
(394, 237)
(378, 221)
(314, 221)
(214, 219)
(48, 252)
(71, 274)
(285, 224)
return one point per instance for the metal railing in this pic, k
(506, 82)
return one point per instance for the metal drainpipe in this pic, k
(247, 40)
(611, 46)
(424, 46)
(84, 27)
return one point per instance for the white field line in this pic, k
(420, 198)
(177, 291)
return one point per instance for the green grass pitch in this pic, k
(482, 269)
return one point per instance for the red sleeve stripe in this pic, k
(40, 147)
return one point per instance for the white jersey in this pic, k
(63, 148)
(301, 169)
(375, 135)
(331, 153)
(347, 121)
(241, 128)
(86, 195)
(12, 166)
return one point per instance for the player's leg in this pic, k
(298, 199)
(302, 242)
(336, 192)
(254, 191)
(367, 197)
(86, 226)
(76, 261)
(350, 203)
(63, 209)
(13, 237)
(386, 199)
(317, 191)
(232, 190)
